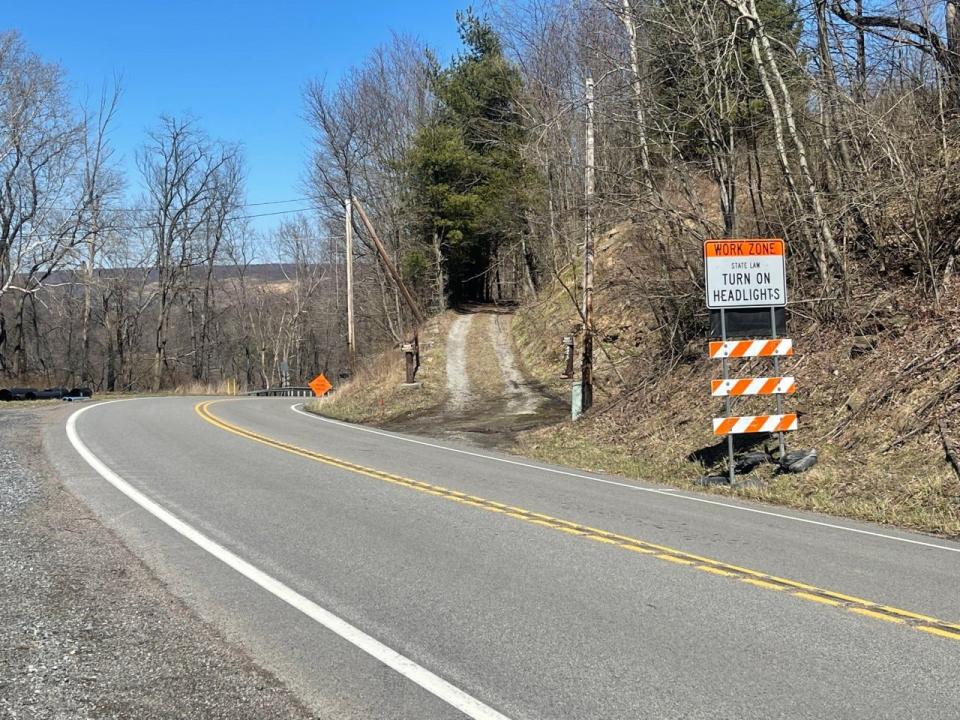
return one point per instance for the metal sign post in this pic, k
(776, 372)
(568, 363)
(727, 402)
(748, 276)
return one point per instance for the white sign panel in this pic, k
(745, 273)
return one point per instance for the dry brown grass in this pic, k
(869, 416)
(875, 489)
(223, 387)
(376, 394)
(486, 380)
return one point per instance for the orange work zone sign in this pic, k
(744, 273)
(742, 248)
(320, 385)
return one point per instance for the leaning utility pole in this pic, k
(411, 349)
(586, 363)
(351, 329)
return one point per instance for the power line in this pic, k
(277, 202)
(241, 205)
(150, 227)
(277, 212)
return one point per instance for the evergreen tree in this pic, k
(471, 185)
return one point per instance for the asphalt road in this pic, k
(384, 576)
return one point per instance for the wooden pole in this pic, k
(408, 298)
(586, 364)
(861, 90)
(412, 351)
(351, 329)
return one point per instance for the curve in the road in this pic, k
(758, 579)
(452, 695)
(671, 492)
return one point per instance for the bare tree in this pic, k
(102, 185)
(363, 130)
(919, 33)
(221, 220)
(301, 261)
(40, 206)
(182, 171)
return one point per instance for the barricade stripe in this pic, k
(789, 422)
(769, 387)
(750, 348)
(735, 387)
(726, 426)
(755, 423)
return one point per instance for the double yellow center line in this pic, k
(762, 580)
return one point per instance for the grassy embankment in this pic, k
(376, 394)
(869, 402)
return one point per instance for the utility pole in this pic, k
(586, 363)
(861, 89)
(391, 268)
(411, 349)
(351, 329)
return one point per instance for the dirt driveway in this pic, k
(489, 398)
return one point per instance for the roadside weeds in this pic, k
(376, 394)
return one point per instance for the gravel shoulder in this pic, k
(88, 630)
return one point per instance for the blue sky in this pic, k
(239, 67)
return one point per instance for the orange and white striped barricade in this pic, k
(747, 275)
(751, 348)
(737, 387)
(738, 425)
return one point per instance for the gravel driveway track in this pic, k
(520, 399)
(458, 383)
(87, 630)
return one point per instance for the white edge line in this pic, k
(656, 491)
(439, 687)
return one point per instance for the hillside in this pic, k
(876, 401)
(872, 400)
(470, 386)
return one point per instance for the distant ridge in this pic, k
(260, 272)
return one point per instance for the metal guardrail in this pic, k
(55, 393)
(282, 392)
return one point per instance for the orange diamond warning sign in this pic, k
(320, 385)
